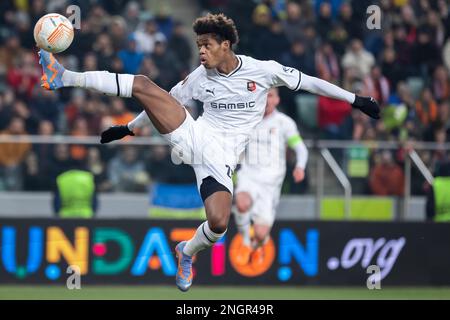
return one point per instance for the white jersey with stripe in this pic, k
(265, 156)
(235, 103)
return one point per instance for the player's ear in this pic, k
(226, 44)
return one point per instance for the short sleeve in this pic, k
(185, 91)
(279, 75)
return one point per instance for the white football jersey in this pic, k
(235, 103)
(265, 156)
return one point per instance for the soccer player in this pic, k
(233, 89)
(261, 176)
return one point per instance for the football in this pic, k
(53, 33)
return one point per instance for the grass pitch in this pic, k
(42, 292)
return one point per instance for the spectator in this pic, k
(298, 57)
(294, 23)
(409, 21)
(376, 85)
(79, 129)
(358, 58)
(74, 107)
(352, 26)
(45, 105)
(37, 10)
(90, 62)
(83, 40)
(324, 20)
(404, 50)
(274, 43)
(12, 155)
(162, 169)
(21, 110)
(126, 172)
(146, 38)
(441, 84)
(262, 20)
(168, 64)
(33, 180)
(97, 167)
(149, 69)
(132, 15)
(327, 64)
(426, 54)
(43, 153)
(338, 37)
(434, 23)
(104, 50)
(180, 45)
(386, 177)
(118, 32)
(22, 21)
(24, 76)
(131, 59)
(391, 68)
(60, 160)
(6, 112)
(426, 108)
(164, 20)
(9, 52)
(119, 113)
(332, 113)
(438, 197)
(94, 111)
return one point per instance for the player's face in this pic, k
(273, 99)
(212, 53)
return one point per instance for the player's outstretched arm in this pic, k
(368, 105)
(120, 131)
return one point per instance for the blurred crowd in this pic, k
(404, 64)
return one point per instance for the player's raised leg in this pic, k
(163, 110)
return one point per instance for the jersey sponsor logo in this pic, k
(211, 91)
(233, 106)
(251, 86)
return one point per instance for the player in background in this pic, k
(233, 89)
(261, 175)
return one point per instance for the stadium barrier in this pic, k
(141, 252)
(349, 162)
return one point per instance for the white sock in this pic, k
(204, 238)
(243, 226)
(112, 84)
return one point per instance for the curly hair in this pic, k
(220, 26)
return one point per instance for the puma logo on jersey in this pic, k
(211, 91)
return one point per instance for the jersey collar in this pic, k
(232, 72)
